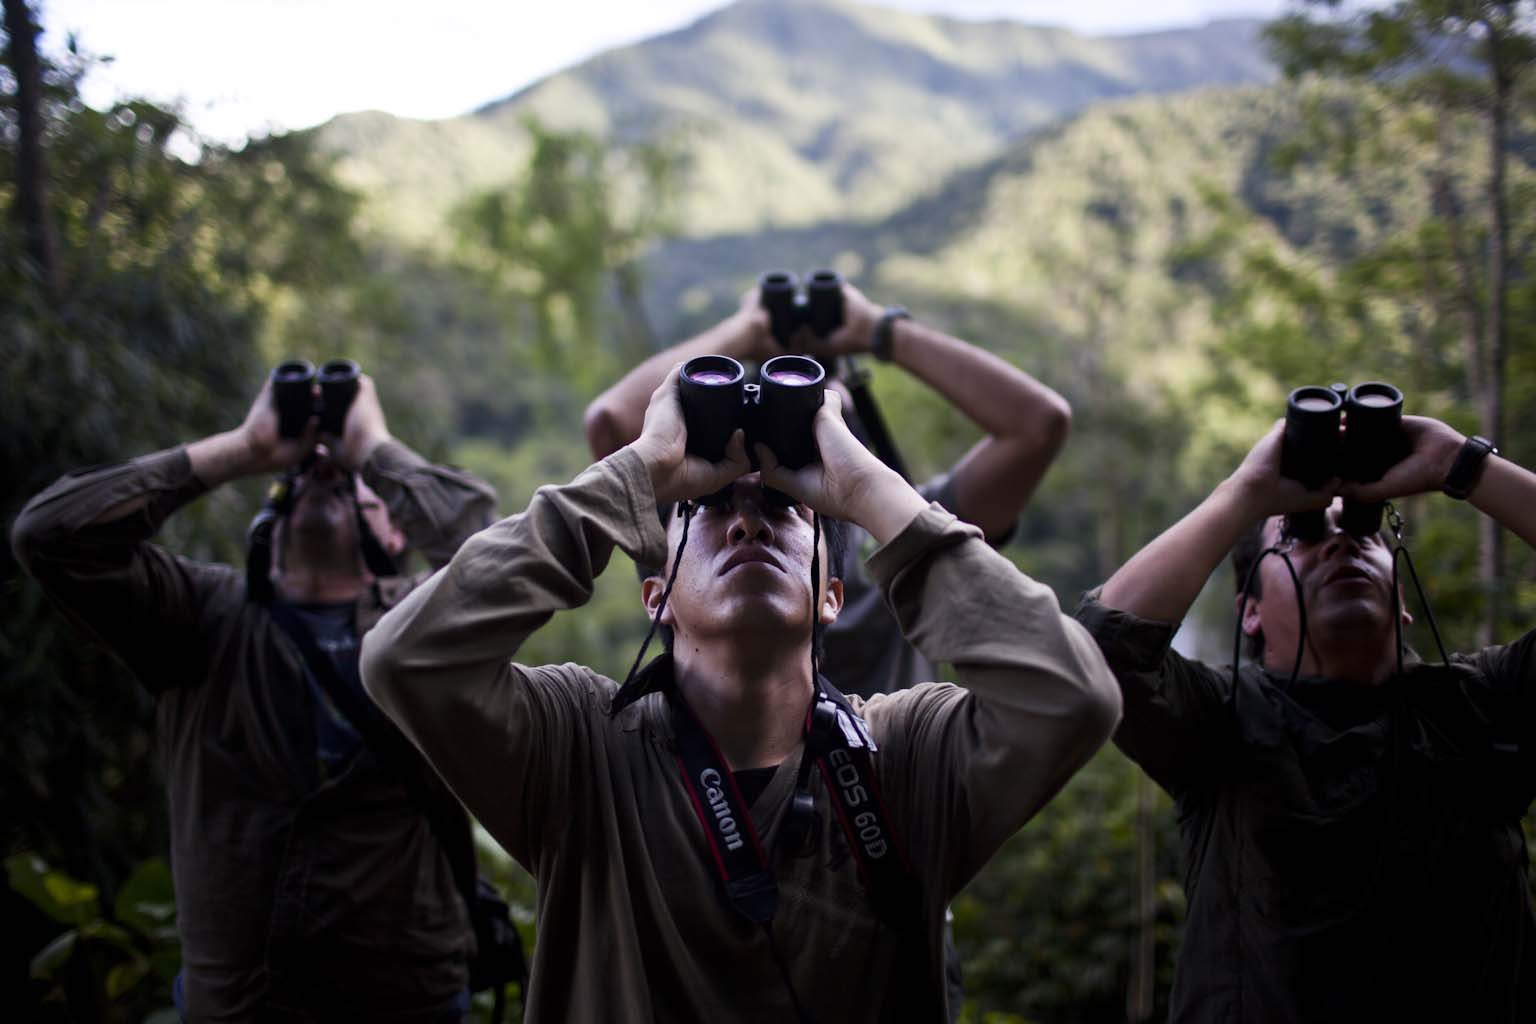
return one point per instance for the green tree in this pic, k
(164, 273)
(578, 217)
(1457, 59)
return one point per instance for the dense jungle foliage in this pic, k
(1171, 263)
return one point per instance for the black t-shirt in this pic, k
(334, 629)
(752, 782)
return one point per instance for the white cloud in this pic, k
(243, 65)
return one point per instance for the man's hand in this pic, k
(663, 447)
(860, 316)
(1263, 492)
(267, 451)
(1433, 449)
(364, 430)
(750, 324)
(848, 482)
(251, 449)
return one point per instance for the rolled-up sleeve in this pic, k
(1176, 710)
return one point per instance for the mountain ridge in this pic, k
(793, 111)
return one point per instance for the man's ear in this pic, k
(1248, 611)
(831, 601)
(651, 589)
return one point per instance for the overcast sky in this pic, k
(239, 66)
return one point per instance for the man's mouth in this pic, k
(750, 556)
(1349, 572)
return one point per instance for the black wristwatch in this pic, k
(880, 343)
(1468, 467)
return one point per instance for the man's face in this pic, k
(322, 508)
(747, 567)
(322, 526)
(1346, 584)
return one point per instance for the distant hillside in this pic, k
(793, 111)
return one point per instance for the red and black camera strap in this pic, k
(838, 743)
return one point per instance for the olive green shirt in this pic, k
(298, 896)
(632, 921)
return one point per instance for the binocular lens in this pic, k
(792, 391)
(293, 371)
(1309, 450)
(710, 390)
(338, 387)
(791, 378)
(713, 371)
(1376, 400)
(794, 371)
(291, 386)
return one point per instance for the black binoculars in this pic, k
(777, 411)
(1313, 452)
(819, 306)
(293, 394)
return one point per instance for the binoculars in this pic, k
(819, 306)
(293, 394)
(777, 411)
(1313, 452)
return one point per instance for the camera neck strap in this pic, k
(838, 743)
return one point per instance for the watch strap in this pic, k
(1468, 467)
(880, 342)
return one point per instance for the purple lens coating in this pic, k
(710, 377)
(791, 377)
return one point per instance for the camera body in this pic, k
(296, 400)
(777, 411)
(818, 306)
(1314, 452)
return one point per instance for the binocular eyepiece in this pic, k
(777, 411)
(819, 306)
(293, 394)
(1313, 451)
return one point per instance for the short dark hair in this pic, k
(834, 531)
(1244, 554)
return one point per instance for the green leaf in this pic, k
(147, 901)
(52, 957)
(125, 976)
(54, 893)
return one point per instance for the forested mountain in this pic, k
(1150, 224)
(793, 111)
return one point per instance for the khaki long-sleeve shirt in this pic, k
(330, 897)
(632, 925)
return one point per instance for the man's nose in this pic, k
(1337, 539)
(749, 518)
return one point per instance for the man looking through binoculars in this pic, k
(1352, 835)
(309, 883)
(628, 808)
(1026, 423)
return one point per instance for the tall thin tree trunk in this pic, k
(30, 207)
(1141, 993)
(1491, 537)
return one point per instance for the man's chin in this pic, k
(1365, 617)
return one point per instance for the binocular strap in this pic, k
(258, 537)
